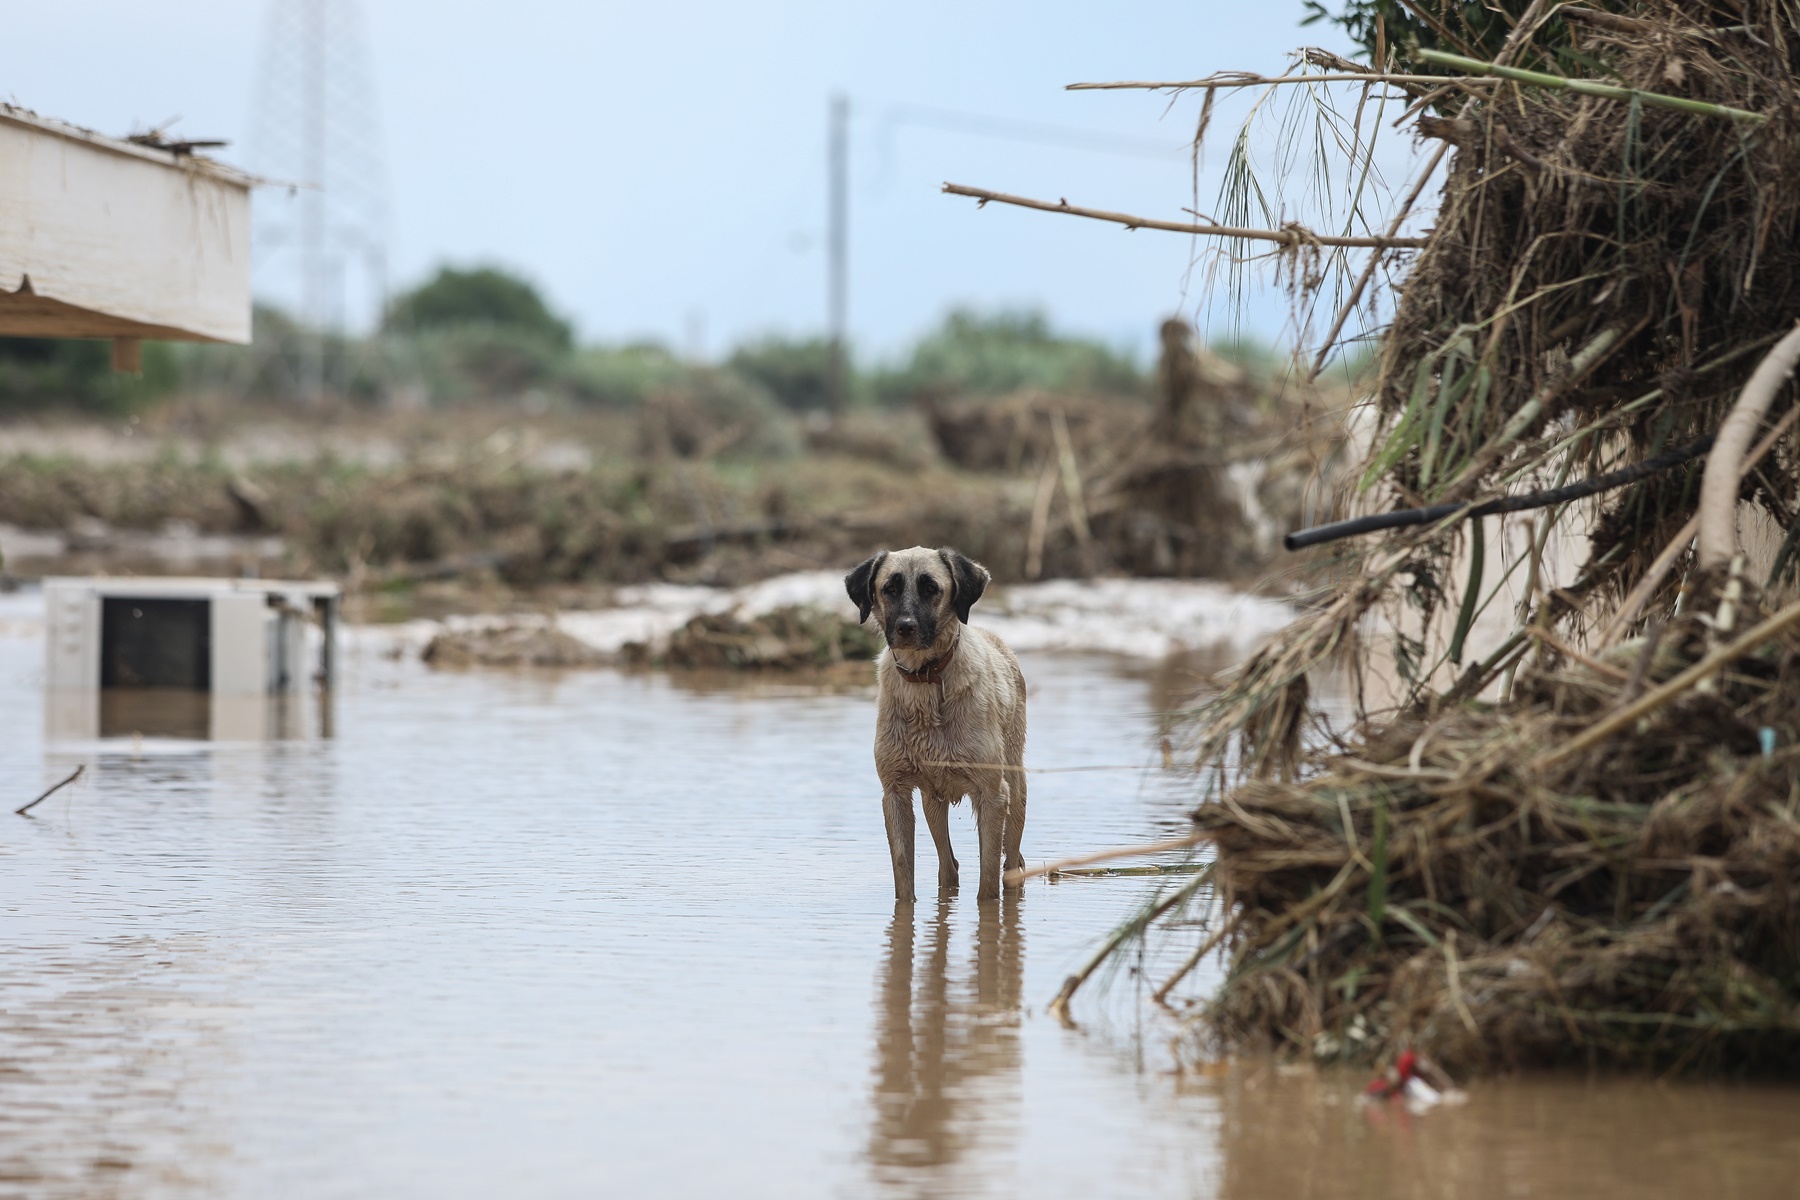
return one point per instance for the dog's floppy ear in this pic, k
(969, 580)
(860, 583)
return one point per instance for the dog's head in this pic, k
(913, 593)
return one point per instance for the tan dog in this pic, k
(950, 712)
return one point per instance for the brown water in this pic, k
(603, 934)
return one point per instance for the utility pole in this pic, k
(837, 380)
(313, 282)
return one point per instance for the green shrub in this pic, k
(475, 361)
(796, 373)
(40, 373)
(620, 376)
(459, 299)
(1006, 352)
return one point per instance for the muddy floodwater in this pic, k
(607, 934)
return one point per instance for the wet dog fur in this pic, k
(957, 728)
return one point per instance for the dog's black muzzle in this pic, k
(910, 627)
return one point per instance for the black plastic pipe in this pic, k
(1320, 534)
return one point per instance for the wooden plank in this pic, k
(100, 238)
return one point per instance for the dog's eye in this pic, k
(928, 586)
(892, 586)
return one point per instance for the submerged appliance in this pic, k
(187, 645)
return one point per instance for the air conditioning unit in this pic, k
(177, 638)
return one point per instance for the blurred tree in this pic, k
(77, 373)
(797, 373)
(1005, 352)
(480, 296)
(621, 376)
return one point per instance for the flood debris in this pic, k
(790, 638)
(512, 644)
(1499, 888)
(1576, 841)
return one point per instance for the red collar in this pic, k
(931, 672)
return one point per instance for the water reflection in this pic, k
(184, 713)
(947, 1046)
(1291, 1131)
(96, 1033)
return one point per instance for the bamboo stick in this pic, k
(1587, 87)
(1293, 235)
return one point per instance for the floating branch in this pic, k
(1020, 874)
(1320, 534)
(73, 776)
(1588, 87)
(1188, 868)
(1291, 235)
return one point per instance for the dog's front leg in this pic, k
(897, 808)
(937, 819)
(990, 828)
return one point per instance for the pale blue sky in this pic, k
(659, 168)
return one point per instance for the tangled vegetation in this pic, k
(1574, 841)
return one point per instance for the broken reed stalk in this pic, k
(54, 788)
(1059, 1007)
(1161, 994)
(1584, 360)
(1654, 699)
(1292, 235)
(1021, 874)
(1362, 281)
(1720, 485)
(1040, 520)
(1244, 79)
(1521, 30)
(1588, 87)
(1071, 476)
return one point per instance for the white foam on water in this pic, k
(1141, 618)
(1137, 618)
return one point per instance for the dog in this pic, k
(950, 712)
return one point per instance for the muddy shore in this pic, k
(470, 510)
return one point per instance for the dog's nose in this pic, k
(906, 625)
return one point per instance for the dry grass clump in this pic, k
(1603, 864)
(1450, 883)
